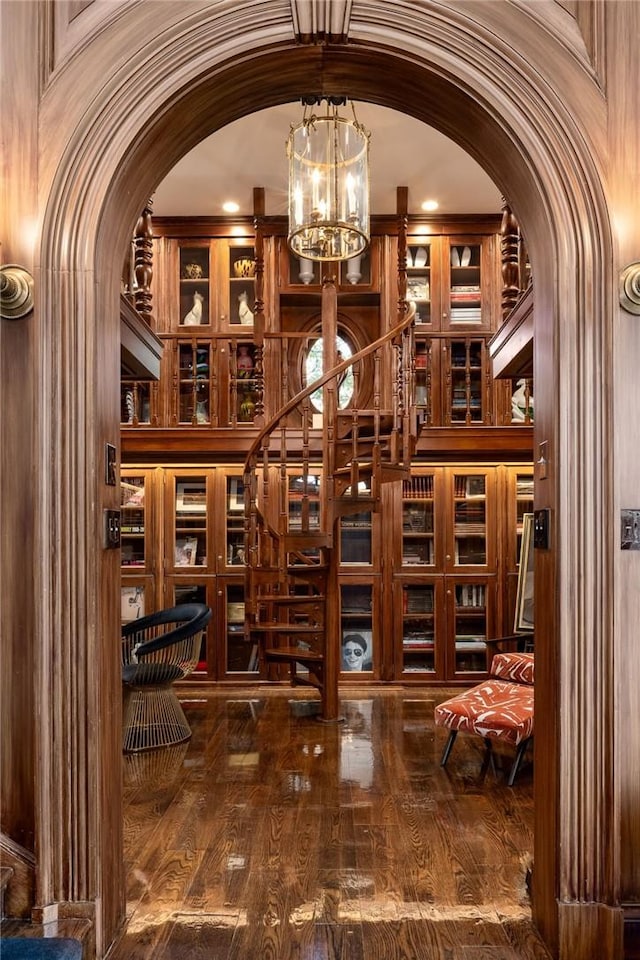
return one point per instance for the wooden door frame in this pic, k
(129, 124)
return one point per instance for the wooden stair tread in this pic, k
(293, 653)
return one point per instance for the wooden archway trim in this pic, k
(99, 173)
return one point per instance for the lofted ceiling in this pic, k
(250, 152)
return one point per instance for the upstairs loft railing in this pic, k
(516, 269)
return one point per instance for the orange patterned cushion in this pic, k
(513, 666)
(496, 708)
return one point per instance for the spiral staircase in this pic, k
(291, 596)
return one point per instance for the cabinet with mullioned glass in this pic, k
(452, 281)
(183, 541)
(444, 554)
(139, 537)
(518, 501)
(360, 636)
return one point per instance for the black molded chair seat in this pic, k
(157, 650)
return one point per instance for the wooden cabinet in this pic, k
(453, 281)
(450, 528)
(182, 542)
(204, 313)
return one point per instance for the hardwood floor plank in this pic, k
(274, 837)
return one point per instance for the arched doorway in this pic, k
(453, 74)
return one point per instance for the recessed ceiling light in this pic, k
(430, 205)
(230, 206)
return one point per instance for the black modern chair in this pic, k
(157, 650)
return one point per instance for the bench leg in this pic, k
(522, 749)
(447, 748)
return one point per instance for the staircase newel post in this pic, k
(329, 417)
(258, 306)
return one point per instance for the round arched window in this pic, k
(313, 370)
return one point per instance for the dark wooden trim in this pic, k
(140, 349)
(511, 347)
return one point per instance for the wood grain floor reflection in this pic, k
(271, 836)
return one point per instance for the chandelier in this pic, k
(328, 183)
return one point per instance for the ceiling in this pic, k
(250, 152)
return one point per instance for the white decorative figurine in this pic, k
(244, 313)
(194, 317)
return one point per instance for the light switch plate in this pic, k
(630, 530)
(111, 529)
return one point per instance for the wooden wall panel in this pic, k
(18, 459)
(106, 134)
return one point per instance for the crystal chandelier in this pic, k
(328, 183)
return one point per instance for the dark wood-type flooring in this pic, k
(273, 836)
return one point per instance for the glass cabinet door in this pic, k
(194, 382)
(234, 519)
(423, 372)
(464, 306)
(241, 655)
(469, 520)
(469, 617)
(134, 506)
(134, 600)
(524, 504)
(419, 260)
(190, 591)
(190, 526)
(303, 502)
(242, 381)
(241, 266)
(195, 292)
(356, 539)
(136, 403)
(465, 388)
(418, 605)
(356, 623)
(418, 522)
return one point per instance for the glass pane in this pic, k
(194, 286)
(194, 383)
(356, 622)
(135, 403)
(242, 268)
(418, 534)
(470, 520)
(355, 538)
(422, 374)
(470, 628)
(193, 593)
(418, 628)
(466, 381)
(243, 357)
(235, 521)
(465, 300)
(524, 504)
(314, 370)
(304, 502)
(242, 655)
(419, 280)
(131, 603)
(191, 522)
(132, 522)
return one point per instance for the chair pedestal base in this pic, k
(152, 718)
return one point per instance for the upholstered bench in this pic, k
(500, 708)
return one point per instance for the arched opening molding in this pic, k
(144, 93)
